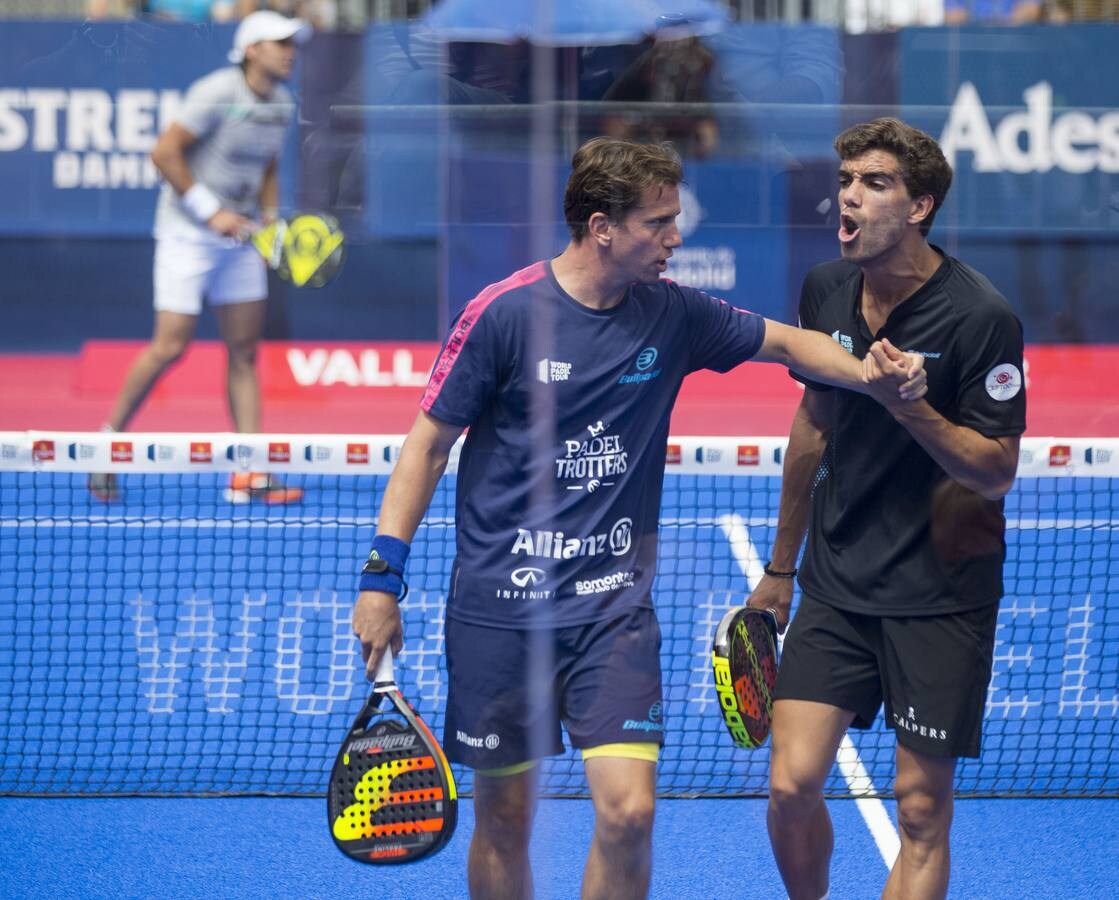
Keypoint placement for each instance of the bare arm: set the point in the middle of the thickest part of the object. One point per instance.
(423, 459)
(817, 356)
(270, 192)
(981, 464)
(170, 157)
(808, 436)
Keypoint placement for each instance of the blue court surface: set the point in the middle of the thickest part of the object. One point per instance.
(278, 847)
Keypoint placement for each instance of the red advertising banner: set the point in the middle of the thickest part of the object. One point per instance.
(374, 388)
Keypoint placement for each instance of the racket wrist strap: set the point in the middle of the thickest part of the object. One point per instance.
(384, 569)
(777, 573)
(200, 202)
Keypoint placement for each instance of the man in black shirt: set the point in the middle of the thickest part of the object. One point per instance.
(902, 573)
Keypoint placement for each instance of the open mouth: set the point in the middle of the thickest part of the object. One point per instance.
(848, 228)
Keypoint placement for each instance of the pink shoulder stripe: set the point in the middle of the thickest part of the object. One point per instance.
(465, 324)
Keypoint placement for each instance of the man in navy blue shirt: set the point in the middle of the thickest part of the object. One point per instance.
(902, 504)
(565, 374)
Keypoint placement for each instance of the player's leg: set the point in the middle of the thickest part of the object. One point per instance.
(240, 325)
(923, 788)
(181, 271)
(238, 286)
(805, 737)
(623, 790)
(504, 806)
(936, 670)
(500, 718)
(612, 706)
(170, 338)
(237, 293)
(827, 680)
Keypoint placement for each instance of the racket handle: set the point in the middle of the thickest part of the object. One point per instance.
(384, 679)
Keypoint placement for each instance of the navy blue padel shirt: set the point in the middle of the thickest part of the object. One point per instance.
(559, 481)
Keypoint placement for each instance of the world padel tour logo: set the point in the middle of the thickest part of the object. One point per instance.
(357, 453)
(644, 363)
(201, 452)
(120, 451)
(279, 452)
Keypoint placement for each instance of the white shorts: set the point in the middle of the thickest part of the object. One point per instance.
(185, 271)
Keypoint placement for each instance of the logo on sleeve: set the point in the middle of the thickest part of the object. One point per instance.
(844, 341)
(1004, 382)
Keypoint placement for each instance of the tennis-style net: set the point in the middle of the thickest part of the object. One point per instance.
(174, 643)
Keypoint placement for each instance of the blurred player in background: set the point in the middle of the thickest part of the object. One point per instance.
(565, 374)
(219, 163)
(902, 503)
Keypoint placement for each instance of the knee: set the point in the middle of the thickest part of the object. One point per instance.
(626, 822)
(922, 817)
(242, 353)
(168, 350)
(506, 821)
(791, 798)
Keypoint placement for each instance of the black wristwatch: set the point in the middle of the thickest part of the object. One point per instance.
(378, 566)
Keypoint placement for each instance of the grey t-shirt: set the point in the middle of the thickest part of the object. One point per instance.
(239, 133)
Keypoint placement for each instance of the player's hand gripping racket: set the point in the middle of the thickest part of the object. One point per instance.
(306, 249)
(744, 659)
(392, 796)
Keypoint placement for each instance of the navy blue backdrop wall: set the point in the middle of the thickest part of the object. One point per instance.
(436, 204)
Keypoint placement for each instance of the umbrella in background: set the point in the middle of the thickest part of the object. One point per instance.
(573, 23)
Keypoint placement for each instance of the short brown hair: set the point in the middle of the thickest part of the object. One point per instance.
(610, 175)
(923, 166)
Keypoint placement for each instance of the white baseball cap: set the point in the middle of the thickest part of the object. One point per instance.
(266, 25)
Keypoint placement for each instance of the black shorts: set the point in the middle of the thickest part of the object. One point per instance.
(509, 690)
(931, 672)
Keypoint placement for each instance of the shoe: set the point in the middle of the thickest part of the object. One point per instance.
(104, 486)
(245, 487)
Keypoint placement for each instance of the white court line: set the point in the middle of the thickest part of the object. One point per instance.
(850, 765)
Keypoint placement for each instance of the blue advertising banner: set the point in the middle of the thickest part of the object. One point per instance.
(1029, 118)
(81, 105)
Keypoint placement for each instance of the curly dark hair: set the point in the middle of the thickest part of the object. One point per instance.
(924, 169)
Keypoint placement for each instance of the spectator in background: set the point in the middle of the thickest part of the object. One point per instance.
(219, 158)
(669, 71)
(111, 9)
(322, 14)
(992, 12)
(1066, 11)
(190, 10)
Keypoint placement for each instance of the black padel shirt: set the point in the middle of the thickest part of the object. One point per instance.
(890, 532)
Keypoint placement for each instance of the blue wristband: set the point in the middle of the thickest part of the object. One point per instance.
(384, 570)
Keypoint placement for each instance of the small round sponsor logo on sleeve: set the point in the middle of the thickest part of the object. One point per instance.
(1004, 382)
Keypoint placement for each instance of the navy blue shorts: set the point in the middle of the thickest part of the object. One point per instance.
(509, 690)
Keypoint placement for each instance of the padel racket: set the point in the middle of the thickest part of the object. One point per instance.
(306, 249)
(744, 659)
(392, 796)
